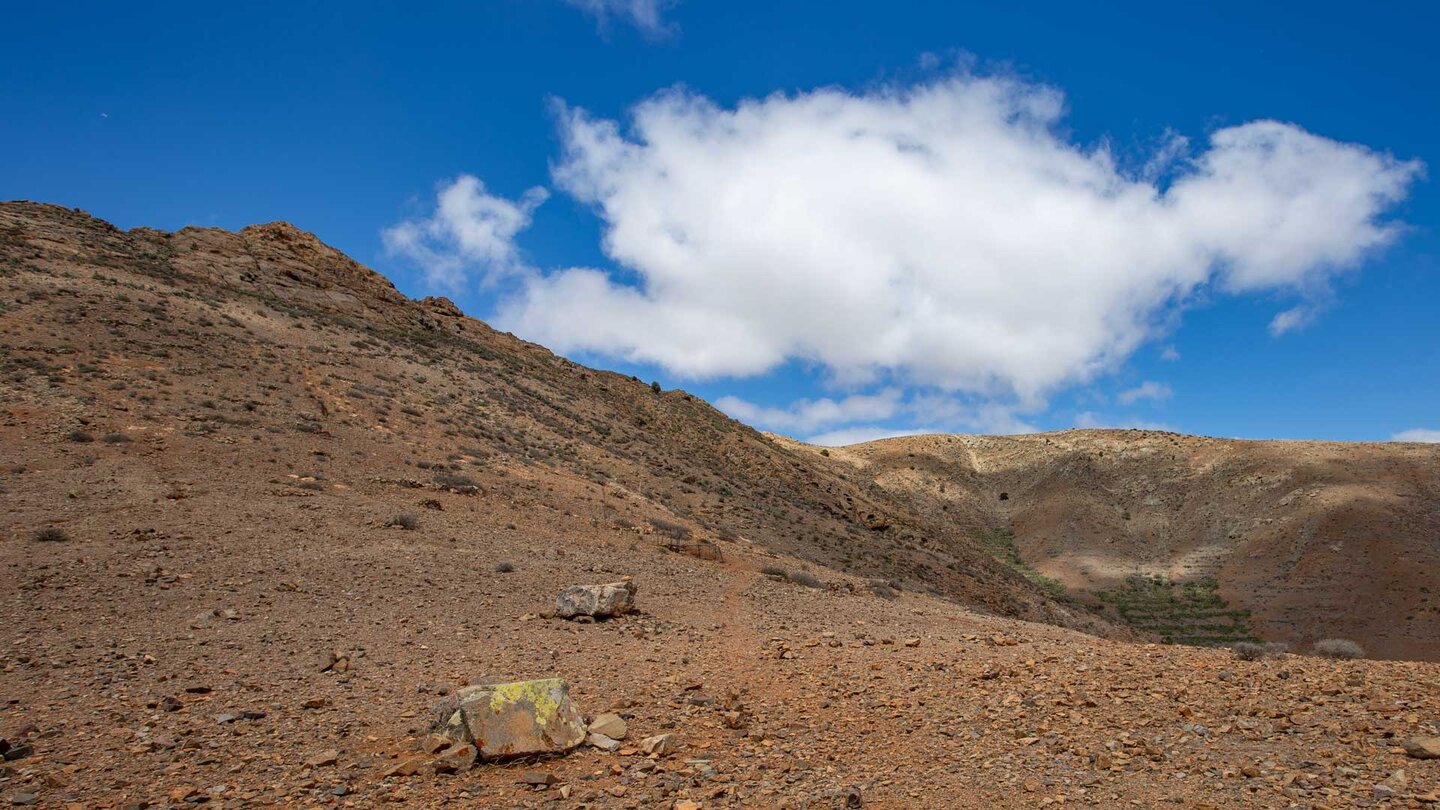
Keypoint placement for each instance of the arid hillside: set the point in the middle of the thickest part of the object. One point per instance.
(215, 351)
(1317, 539)
(261, 514)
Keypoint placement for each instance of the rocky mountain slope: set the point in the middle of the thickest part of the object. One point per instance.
(260, 512)
(1316, 539)
(206, 339)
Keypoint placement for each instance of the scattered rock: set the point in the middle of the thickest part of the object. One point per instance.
(410, 765)
(457, 758)
(596, 601)
(610, 725)
(1392, 786)
(329, 756)
(1423, 747)
(602, 742)
(660, 745)
(334, 661)
(539, 778)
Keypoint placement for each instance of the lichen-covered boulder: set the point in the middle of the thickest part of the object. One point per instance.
(597, 601)
(512, 719)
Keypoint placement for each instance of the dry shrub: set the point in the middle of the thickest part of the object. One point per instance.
(1341, 648)
(806, 578)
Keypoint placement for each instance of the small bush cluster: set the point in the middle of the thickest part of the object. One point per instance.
(51, 534)
(806, 579)
(451, 480)
(1340, 648)
(504, 567)
(774, 571)
(672, 530)
(884, 589)
(1250, 651)
(406, 521)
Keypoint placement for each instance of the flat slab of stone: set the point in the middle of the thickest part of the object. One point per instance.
(1423, 747)
(609, 724)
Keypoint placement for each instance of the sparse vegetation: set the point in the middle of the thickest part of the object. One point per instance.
(1339, 648)
(1001, 545)
(504, 567)
(671, 529)
(451, 480)
(407, 521)
(774, 571)
(1250, 651)
(806, 579)
(51, 534)
(884, 589)
(79, 436)
(1180, 613)
(114, 438)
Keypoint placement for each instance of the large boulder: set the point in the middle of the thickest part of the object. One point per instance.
(596, 601)
(512, 719)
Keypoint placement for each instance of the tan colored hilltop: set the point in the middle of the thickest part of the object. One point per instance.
(1318, 539)
(261, 512)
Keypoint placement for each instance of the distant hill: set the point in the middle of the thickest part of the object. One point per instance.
(1316, 539)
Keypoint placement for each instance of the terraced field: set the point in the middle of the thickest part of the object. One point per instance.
(1179, 612)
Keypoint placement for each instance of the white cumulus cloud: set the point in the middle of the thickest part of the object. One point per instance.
(947, 235)
(1417, 435)
(808, 414)
(1092, 420)
(646, 15)
(860, 413)
(469, 232)
(1148, 390)
(856, 435)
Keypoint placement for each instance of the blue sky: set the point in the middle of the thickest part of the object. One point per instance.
(882, 218)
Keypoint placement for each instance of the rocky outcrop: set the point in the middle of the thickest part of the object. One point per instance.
(596, 601)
